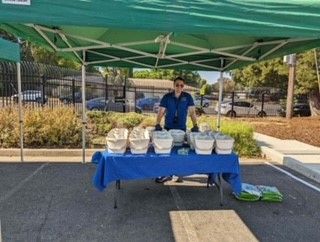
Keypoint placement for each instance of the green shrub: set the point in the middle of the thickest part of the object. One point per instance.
(242, 132)
(52, 128)
(132, 120)
(9, 127)
(60, 127)
(148, 121)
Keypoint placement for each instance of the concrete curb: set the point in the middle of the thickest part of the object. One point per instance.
(46, 155)
(47, 152)
(289, 162)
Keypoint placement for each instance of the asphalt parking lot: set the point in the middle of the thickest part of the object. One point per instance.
(57, 202)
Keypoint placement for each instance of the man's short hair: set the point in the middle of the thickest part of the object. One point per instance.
(179, 78)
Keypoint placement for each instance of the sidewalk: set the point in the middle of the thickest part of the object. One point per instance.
(296, 155)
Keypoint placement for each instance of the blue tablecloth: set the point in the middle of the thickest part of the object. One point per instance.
(112, 167)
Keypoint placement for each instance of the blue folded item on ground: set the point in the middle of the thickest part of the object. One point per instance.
(252, 193)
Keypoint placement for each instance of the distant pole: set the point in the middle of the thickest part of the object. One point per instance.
(291, 60)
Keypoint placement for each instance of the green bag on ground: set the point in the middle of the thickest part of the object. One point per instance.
(249, 193)
(270, 194)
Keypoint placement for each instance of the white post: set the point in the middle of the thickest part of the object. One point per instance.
(84, 118)
(220, 97)
(20, 109)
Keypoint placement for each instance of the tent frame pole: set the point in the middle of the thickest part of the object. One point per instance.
(84, 118)
(220, 96)
(194, 50)
(20, 110)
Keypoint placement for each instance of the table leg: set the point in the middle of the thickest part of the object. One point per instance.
(117, 187)
(217, 180)
(220, 189)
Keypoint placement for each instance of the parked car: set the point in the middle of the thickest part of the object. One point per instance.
(205, 102)
(96, 104)
(69, 98)
(147, 103)
(117, 106)
(30, 96)
(240, 108)
(100, 104)
(299, 110)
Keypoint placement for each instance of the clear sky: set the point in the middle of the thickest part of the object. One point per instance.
(211, 76)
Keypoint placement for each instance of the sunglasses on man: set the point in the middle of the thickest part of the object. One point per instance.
(179, 85)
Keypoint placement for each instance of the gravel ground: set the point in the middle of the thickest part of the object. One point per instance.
(304, 129)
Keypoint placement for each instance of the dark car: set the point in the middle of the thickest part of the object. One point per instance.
(299, 110)
(100, 104)
(147, 103)
(69, 98)
(96, 104)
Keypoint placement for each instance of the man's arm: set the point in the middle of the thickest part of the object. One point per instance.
(192, 113)
(160, 115)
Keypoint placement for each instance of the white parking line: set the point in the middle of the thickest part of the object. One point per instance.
(294, 177)
(186, 221)
(0, 232)
(17, 187)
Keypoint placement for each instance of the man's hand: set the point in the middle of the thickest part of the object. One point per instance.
(158, 127)
(195, 128)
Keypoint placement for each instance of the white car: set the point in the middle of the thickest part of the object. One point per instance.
(240, 108)
(30, 96)
(205, 102)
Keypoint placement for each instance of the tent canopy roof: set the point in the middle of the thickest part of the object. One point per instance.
(9, 51)
(199, 35)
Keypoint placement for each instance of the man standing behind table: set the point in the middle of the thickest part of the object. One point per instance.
(175, 106)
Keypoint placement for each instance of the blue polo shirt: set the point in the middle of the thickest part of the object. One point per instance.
(176, 107)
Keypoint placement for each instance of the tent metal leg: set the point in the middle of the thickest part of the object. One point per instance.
(20, 110)
(220, 101)
(84, 120)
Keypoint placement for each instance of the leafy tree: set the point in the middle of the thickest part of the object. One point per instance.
(274, 73)
(228, 85)
(306, 76)
(271, 73)
(206, 89)
(192, 77)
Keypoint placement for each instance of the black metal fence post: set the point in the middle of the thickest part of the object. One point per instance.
(106, 95)
(43, 90)
(73, 93)
(262, 102)
(232, 105)
(124, 95)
